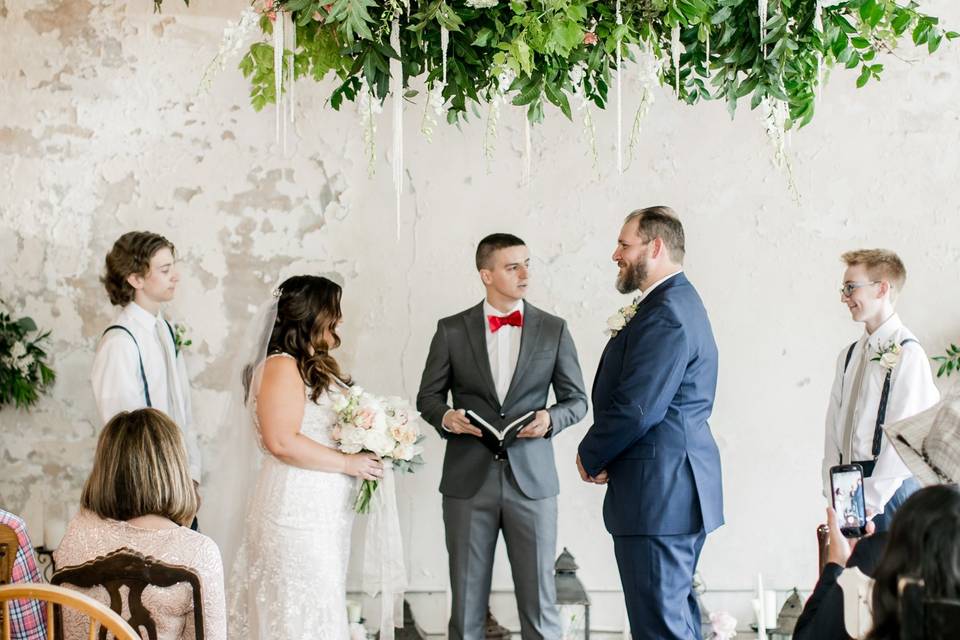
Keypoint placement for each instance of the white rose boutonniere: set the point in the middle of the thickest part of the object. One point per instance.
(888, 356)
(619, 320)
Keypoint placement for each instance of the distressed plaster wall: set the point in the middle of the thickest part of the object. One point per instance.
(101, 131)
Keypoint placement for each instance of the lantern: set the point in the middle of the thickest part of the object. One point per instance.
(572, 599)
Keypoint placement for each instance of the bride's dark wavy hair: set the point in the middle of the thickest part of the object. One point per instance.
(924, 543)
(307, 306)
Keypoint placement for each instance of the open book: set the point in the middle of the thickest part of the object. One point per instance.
(495, 439)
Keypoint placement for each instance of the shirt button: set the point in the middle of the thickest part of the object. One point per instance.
(503, 415)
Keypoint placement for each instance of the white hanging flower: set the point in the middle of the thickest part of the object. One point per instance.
(235, 35)
(18, 350)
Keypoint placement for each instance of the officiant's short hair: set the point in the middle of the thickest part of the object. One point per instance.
(492, 243)
(130, 254)
(881, 264)
(140, 468)
(661, 222)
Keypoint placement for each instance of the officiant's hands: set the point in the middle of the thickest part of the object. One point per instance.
(455, 421)
(363, 465)
(538, 427)
(600, 478)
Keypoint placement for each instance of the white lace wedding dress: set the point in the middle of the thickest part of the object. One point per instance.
(289, 577)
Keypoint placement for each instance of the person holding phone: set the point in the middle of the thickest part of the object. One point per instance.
(883, 377)
(927, 443)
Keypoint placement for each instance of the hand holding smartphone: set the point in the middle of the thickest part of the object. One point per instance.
(846, 486)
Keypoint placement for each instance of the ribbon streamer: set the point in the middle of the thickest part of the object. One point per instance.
(762, 15)
(675, 55)
(444, 44)
(396, 80)
(278, 68)
(291, 75)
(619, 95)
(383, 568)
(527, 145)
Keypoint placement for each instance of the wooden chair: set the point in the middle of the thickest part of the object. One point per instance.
(923, 618)
(9, 545)
(823, 538)
(125, 567)
(57, 597)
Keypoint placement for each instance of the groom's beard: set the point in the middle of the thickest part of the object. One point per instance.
(634, 275)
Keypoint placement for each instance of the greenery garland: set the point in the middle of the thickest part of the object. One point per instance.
(535, 52)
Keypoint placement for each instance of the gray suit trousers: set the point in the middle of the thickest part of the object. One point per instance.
(530, 532)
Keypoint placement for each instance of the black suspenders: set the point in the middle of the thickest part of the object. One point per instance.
(882, 409)
(143, 373)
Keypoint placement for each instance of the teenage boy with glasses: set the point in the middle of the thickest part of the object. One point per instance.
(881, 378)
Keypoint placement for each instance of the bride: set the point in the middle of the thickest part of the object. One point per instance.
(289, 576)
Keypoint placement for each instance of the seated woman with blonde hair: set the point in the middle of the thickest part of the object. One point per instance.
(139, 495)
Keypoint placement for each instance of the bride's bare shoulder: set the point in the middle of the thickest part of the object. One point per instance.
(281, 368)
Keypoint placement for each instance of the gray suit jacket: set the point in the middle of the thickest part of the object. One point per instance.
(458, 363)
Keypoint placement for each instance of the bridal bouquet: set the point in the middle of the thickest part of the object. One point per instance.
(387, 427)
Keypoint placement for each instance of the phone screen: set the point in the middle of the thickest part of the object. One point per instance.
(847, 485)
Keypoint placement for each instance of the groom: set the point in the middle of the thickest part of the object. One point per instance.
(650, 442)
(499, 359)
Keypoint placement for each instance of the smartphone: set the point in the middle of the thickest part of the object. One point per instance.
(846, 486)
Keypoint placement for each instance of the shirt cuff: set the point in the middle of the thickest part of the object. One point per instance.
(443, 419)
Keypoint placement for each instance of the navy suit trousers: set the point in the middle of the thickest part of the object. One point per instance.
(657, 577)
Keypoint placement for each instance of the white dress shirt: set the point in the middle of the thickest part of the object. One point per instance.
(645, 294)
(118, 385)
(503, 348)
(911, 391)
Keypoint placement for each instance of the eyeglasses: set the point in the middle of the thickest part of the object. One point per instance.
(849, 287)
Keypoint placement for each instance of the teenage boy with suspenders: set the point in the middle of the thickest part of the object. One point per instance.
(881, 378)
(138, 363)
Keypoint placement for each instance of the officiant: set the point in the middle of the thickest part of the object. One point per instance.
(498, 360)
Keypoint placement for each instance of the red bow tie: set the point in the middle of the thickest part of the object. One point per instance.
(514, 320)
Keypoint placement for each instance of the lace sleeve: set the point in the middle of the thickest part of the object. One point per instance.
(210, 569)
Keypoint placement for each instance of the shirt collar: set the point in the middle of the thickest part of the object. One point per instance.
(141, 316)
(884, 333)
(490, 310)
(644, 294)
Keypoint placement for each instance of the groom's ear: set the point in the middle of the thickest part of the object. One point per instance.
(486, 277)
(135, 280)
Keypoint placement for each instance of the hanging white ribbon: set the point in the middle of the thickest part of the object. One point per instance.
(818, 25)
(527, 146)
(444, 43)
(619, 95)
(396, 81)
(762, 14)
(706, 55)
(291, 72)
(278, 68)
(675, 56)
(384, 572)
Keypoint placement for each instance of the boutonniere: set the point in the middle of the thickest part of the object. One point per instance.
(180, 338)
(887, 355)
(619, 320)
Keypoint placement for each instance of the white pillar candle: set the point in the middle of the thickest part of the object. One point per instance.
(353, 611)
(770, 608)
(761, 614)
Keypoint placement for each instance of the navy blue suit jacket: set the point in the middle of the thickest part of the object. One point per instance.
(652, 396)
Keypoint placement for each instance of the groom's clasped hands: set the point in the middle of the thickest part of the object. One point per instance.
(600, 478)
